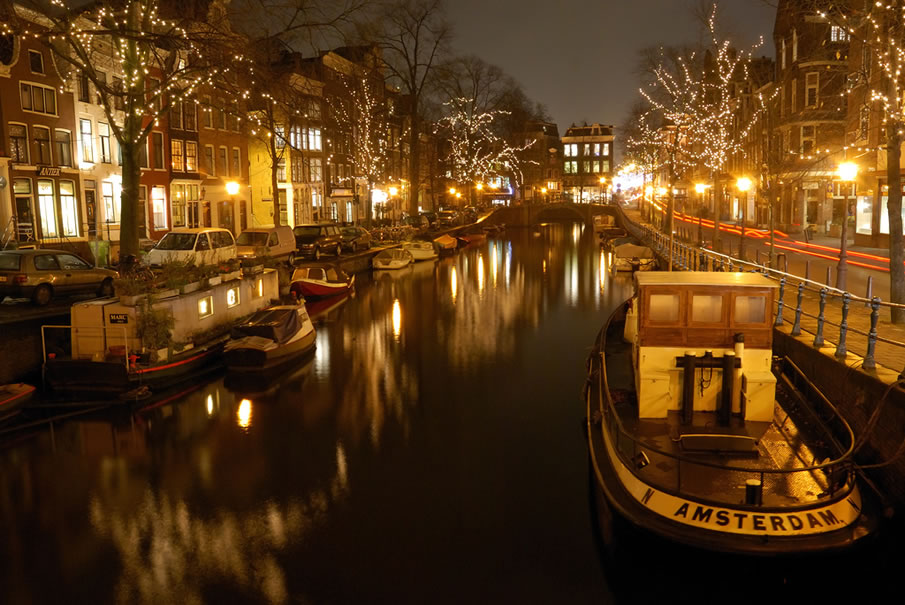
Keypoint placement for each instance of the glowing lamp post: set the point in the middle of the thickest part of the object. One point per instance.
(603, 187)
(847, 172)
(744, 185)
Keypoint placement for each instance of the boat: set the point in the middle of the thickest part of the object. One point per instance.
(607, 234)
(446, 244)
(491, 228)
(13, 396)
(471, 236)
(601, 221)
(319, 280)
(421, 250)
(392, 258)
(270, 339)
(633, 257)
(114, 349)
(688, 441)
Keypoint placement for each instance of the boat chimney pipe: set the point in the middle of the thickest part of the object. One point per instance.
(754, 492)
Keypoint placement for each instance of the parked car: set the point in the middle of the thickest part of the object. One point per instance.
(316, 240)
(355, 238)
(418, 222)
(42, 274)
(430, 216)
(200, 246)
(448, 218)
(276, 242)
(470, 214)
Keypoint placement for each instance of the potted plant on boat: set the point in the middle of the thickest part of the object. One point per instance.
(132, 289)
(229, 269)
(210, 275)
(155, 328)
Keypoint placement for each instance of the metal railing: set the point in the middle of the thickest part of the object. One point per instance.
(695, 258)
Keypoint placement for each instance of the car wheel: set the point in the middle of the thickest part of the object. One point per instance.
(42, 295)
(317, 254)
(106, 289)
(291, 259)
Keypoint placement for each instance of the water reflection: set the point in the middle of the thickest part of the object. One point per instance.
(244, 414)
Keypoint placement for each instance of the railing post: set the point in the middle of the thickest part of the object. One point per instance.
(829, 279)
(807, 270)
(869, 362)
(843, 326)
(782, 292)
(818, 339)
(796, 327)
(870, 290)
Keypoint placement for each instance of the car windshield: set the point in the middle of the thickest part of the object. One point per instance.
(307, 231)
(9, 262)
(350, 231)
(252, 238)
(177, 241)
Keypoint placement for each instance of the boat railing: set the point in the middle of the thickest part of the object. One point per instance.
(825, 307)
(675, 471)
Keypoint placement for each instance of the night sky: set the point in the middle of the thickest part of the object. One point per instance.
(578, 57)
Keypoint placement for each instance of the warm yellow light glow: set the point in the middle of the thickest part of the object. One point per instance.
(847, 171)
(205, 306)
(210, 405)
(543, 190)
(479, 186)
(648, 190)
(602, 180)
(701, 187)
(480, 273)
(232, 187)
(260, 287)
(661, 190)
(232, 297)
(397, 319)
(393, 191)
(452, 190)
(458, 195)
(243, 416)
(743, 184)
(452, 283)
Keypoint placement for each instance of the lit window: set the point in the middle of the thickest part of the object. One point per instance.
(159, 207)
(664, 307)
(232, 297)
(259, 288)
(205, 307)
(750, 309)
(707, 308)
(838, 34)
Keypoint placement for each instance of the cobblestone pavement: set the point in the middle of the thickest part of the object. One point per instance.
(888, 355)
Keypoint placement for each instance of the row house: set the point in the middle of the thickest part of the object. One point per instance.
(811, 70)
(543, 162)
(587, 162)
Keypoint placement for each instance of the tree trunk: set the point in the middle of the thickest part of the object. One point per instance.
(128, 216)
(274, 183)
(717, 206)
(414, 162)
(894, 208)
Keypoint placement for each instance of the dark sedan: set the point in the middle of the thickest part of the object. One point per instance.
(317, 240)
(42, 274)
(355, 238)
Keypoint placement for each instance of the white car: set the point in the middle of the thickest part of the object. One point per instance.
(200, 246)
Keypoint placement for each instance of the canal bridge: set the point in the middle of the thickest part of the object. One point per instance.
(532, 214)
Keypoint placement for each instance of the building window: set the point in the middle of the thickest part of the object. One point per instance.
(808, 139)
(595, 167)
(84, 89)
(606, 149)
(209, 160)
(298, 173)
(571, 167)
(258, 290)
(237, 163)
(838, 34)
(223, 163)
(315, 170)
(570, 150)
(176, 114)
(38, 99)
(782, 53)
(177, 155)
(111, 208)
(281, 170)
(794, 45)
(36, 61)
(234, 117)
(279, 134)
(63, 147)
(86, 137)
(47, 208)
(221, 114)
(810, 91)
(190, 111)
(69, 211)
(142, 155)
(119, 93)
(159, 207)
(157, 151)
(605, 166)
(102, 79)
(205, 307)
(314, 139)
(42, 145)
(191, 156)
(18, 143)
(103, 132)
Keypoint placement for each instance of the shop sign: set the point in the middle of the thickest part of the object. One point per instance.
(119, 318)
(48, 171)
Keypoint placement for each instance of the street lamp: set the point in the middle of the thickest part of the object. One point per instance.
(744, 185)
(603, 187)
(847, 172)
(701, 189)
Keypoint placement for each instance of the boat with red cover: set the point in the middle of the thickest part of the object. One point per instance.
(319, 280)
(13, 396)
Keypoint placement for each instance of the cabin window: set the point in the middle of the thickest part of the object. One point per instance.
(707, 308)
(664, 307)
(205, 307)
(750, 309)
(259, 288)
(232, 297)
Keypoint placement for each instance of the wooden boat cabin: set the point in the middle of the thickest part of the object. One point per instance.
(702, 343)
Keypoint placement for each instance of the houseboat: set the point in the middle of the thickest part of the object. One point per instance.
(116, 349)
(688, 440)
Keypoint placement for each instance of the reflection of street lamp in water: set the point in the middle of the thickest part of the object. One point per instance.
(846, 172)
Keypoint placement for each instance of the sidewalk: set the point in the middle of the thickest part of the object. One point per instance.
(889, 356)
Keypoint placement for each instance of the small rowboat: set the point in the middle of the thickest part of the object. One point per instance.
(446, 244)
(270, 339)
(320, 280)
(421, 250)
(13, 397)
(393, 258)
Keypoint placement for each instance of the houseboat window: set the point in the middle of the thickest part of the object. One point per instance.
(664, 307)
(707, 308)
(232, 297)
(750, 309)
(259, 288)
(205, 307)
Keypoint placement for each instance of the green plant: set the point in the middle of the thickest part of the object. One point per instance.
(175, 274)
(228, 266)
(209, 270)
(155, 326)
(133, 285)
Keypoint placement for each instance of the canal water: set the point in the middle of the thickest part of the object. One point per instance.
(430, 451)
